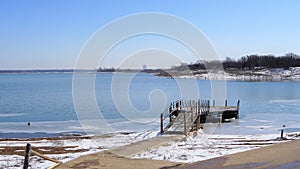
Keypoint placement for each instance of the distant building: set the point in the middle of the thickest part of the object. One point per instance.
(144, 67)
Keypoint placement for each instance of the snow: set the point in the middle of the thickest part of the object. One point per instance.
(194, 148)
(293, 73)
(92, 145)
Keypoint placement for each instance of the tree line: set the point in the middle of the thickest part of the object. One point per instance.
(249, 62)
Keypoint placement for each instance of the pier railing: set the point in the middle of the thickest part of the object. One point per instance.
(185, 115)
(189, 108)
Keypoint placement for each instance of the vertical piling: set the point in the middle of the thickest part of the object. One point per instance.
(208, 107)
(184, 118)
(161, 123)
(192, 116)
(170, 112)
(27, 155)
(238, 108)
(281, 134)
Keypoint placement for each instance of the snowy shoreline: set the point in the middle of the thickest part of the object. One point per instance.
(187, 151)
(64, 148)
(194, 150)
(279, 74)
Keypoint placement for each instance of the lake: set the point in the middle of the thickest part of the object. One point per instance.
(46, 101)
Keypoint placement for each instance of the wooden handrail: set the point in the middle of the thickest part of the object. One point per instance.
(29, 151)
(44, 157)
(195, 107)
(165, 117)
(162, 119)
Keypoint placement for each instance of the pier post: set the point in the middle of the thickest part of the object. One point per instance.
(192, 116)
(198, 122)
(199, 110)
(214, 103)
(201, 106)
(184, 119)
(226, 102)
(197, 107)
(238, 108)
(170, 111)
(208, 107)
(180, 104)
(161, 123)
(281, 134)
(27, 155)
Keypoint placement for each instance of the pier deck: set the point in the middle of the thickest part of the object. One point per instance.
(188, 115)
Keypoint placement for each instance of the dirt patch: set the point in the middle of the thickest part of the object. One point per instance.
(20, 150)
(48, 138)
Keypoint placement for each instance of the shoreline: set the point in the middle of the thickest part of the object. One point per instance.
(69, 149)
(269, 75)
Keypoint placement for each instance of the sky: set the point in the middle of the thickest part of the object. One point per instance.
(49, 34)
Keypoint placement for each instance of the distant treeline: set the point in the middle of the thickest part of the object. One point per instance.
(106, 70)
(249, 62)
(109, 70)
(39, 71)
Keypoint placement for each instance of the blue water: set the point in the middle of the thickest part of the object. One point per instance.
(36, 97)
(44, 98)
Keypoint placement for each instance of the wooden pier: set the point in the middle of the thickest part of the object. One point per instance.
(184, 116)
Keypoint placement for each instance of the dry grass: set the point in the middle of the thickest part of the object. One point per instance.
(19, 150)
(49, 138)
(56, 148)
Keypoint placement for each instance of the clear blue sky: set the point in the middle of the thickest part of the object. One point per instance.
(49, 34)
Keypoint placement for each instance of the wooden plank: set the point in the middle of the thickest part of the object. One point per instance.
(191, 112)
(44, 157)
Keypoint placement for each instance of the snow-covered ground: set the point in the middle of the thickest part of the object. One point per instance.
(278, 74)
(73, 148)
(190, 150)
(193, 149)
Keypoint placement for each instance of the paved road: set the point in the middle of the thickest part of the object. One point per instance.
(279, 156)
(119, 157)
